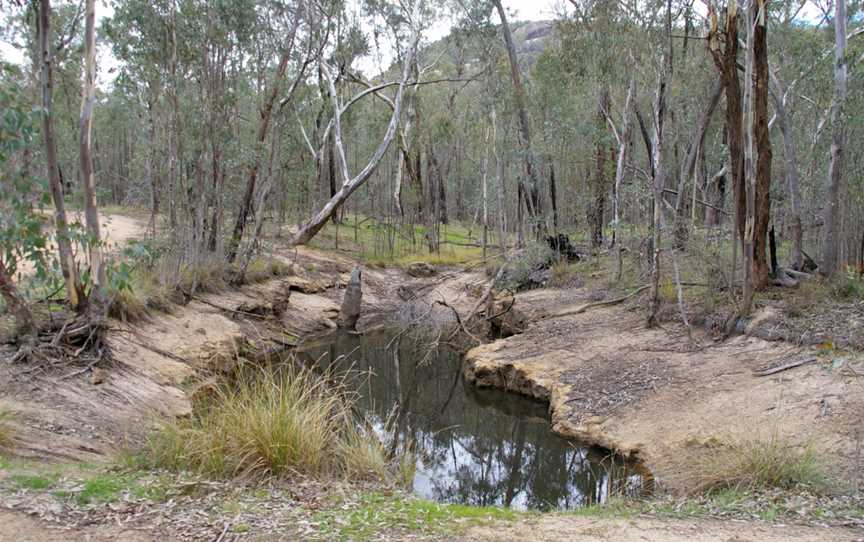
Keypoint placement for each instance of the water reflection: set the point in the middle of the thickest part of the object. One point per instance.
(475, 446)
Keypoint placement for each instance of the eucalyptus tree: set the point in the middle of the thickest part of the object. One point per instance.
(98, 294)
(834, 181)
(351, 183)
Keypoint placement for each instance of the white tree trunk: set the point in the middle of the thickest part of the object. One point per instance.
(308, 230)
(834, 181)
(91, 212)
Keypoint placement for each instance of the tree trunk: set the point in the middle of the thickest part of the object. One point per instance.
(688, 168)
(619, 173)
(98, 294)
(762, 189)
(150, 178)
(727, 64)
(830, 240)
(68, 266)
(658, 184)
(796, 256)
(532, 191)
(263, 127)
(349, 185)
(659, 173)
(553, 195)
(597, 205)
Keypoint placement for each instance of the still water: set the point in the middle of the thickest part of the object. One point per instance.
(474, 446)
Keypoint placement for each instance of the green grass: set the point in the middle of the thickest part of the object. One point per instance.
(269, 422)
(377, 513)
(380, 244)
(33, 481)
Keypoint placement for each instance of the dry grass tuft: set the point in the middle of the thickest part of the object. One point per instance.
(758, 463)
(7, 432)
(271, 422)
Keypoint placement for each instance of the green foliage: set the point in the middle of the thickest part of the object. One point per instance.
(33, 481)
(270, 422)
(21, 228)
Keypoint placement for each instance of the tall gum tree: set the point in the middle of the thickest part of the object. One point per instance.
(830, 239)
(68, 265)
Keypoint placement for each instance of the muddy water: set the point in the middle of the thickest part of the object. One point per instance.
(474, 446)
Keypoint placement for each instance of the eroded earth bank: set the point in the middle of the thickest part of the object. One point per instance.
(609, 381)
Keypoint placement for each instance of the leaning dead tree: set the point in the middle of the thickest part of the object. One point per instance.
(351, 184)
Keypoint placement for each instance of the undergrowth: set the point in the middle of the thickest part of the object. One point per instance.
(761, 463)
(7, 431)
(271, 422)
(150, 287)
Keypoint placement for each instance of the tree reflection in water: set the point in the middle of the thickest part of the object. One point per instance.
(475, 446)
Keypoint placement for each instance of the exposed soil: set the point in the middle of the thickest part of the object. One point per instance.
(613, 382)
(585, 529)
(608, 379)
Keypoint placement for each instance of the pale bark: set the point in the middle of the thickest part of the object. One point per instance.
(623, 143)
(98, 295)
(830, 239)
(659, 181)
(68, 266)
(308, 230)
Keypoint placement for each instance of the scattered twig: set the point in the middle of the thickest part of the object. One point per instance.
(582, 308)
(226, 309)
(766, 371)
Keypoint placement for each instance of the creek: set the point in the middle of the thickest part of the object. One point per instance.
(473, 446)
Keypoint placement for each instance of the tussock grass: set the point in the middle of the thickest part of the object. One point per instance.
(271, 422)
(762, 463)
(7, 432)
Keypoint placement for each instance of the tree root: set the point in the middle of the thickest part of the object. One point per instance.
(77, 341)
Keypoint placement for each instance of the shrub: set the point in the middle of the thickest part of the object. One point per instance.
(521, 265)
(270, 422)
(762, 464)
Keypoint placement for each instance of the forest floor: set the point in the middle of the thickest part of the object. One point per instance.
(609, 381)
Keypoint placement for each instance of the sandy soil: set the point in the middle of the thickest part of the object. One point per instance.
(613, 382)
(117, 230)
(608, 379)
(583, 529)
(18, 527)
